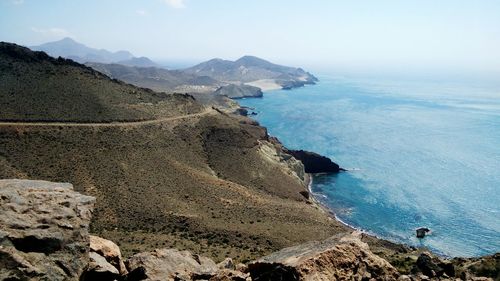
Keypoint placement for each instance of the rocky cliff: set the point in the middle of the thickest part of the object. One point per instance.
(315, 163)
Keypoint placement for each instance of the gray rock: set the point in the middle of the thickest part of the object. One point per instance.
(100, 269)
(422, 231)
(169, 264)
(110, 251)
(337, 258)
(43, 230)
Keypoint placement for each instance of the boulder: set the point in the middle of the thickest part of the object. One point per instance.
(100, 269)
(433, 266)
(169, 264)
(422, 231)
(110, 251)
(337, 258)
(315, 163)
(43, 230)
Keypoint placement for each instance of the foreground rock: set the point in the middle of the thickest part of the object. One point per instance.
(337, 258)
(43, 230)
(106, 261)
(169, 264)
(315, 163)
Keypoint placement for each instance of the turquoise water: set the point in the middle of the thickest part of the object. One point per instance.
(420, 153)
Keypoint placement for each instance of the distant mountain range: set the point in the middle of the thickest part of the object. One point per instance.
(159, 79)
(254, 71)
(69, 48)
(205, 77)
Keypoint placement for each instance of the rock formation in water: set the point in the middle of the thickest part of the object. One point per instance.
(315, 163)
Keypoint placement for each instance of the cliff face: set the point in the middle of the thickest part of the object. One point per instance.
(315, 163)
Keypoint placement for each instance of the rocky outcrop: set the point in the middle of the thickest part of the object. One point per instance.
(109, 250)
(43, 230)
(100, 269)
(239, 91)
(433, 266)
(169, 264)
(315, 163)
(337, 258)
(106, 261)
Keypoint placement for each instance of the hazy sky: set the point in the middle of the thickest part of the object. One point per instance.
(462, 34)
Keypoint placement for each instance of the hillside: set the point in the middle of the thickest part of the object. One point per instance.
(159, 79)
(193, 179)
(38, 87)
(254, 71)
(70, 49)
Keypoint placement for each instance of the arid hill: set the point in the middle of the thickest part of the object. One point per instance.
(188, 177)
(253, 71)
(36, 87)
(159, 79)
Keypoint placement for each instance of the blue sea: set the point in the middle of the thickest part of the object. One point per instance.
(420, 153)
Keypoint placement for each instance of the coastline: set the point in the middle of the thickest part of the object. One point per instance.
(316, 202)
(372, 239)
(330, 212)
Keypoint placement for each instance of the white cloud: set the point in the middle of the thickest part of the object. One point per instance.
(142, 12)
(17, 2)
(178, 4)
(53, 32)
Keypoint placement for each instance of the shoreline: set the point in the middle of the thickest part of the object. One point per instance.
(330, 212)
(374, 239)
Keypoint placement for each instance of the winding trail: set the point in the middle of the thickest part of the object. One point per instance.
(103, 124)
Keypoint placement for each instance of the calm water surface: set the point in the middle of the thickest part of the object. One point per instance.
(421, 153)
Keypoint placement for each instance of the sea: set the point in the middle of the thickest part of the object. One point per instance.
(420, 152)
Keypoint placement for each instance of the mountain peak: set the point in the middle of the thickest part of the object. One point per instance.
(69, 48)
(68, 40)
(252, 60)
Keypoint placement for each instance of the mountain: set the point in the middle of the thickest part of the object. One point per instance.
(159, 79)
(165, 170)
(239, 91)
(139, 62)
(69, 48)
(37, 87)
(254, 71)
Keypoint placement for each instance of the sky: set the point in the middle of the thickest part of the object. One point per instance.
(371, 34)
